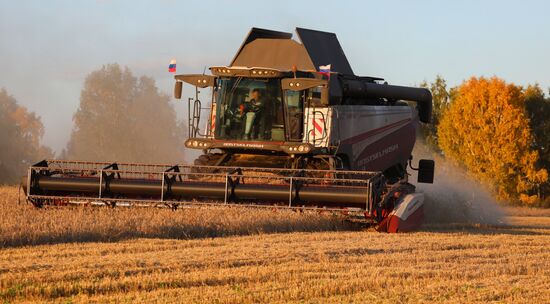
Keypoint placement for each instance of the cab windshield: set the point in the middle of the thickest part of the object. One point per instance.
(249, 109)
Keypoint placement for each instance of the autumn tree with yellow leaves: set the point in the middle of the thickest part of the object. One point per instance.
(486, 129)
(124, 118)
(21, 132)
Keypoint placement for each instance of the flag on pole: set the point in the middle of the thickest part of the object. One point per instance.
(324, 70)
(172, 66)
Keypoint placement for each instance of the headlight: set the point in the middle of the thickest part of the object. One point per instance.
(303, 148)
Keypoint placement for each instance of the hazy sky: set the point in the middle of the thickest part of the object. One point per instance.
(48, 47)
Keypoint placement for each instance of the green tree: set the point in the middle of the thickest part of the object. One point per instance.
(486, 128)
(441, 98)
(20, 135)
(538, 111)
(122, 118)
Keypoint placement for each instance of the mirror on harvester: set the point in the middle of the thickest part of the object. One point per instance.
(177, 89)
(426, 169)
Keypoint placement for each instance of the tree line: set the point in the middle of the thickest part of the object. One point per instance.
(120, 117)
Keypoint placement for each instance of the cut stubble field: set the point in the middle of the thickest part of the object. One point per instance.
(233, 255)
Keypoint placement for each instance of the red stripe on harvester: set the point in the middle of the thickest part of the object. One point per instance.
(363, 136)
(317, 126)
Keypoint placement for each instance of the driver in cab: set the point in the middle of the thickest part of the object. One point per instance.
(252, 111)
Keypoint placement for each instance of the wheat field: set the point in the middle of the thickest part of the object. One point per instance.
(79, 255)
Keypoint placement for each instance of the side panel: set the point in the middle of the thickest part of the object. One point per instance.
(375, 138)
(317, 126)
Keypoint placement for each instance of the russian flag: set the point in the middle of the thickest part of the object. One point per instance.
(172, 66)
(324, 70)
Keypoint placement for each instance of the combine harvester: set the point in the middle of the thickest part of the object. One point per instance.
(289, 126)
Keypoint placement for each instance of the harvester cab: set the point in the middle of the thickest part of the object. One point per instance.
(289, 125)
(258, 111)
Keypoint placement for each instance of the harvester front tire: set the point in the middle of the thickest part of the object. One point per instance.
(210, 159)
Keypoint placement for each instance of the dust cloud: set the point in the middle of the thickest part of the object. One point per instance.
(454, 197)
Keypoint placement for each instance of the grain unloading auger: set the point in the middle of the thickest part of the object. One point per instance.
(289, 126)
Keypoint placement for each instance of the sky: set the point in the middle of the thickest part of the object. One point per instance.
(47, 48)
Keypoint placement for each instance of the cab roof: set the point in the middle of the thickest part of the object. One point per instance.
(277, 50)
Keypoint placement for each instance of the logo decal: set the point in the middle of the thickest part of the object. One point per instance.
(377, 155)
